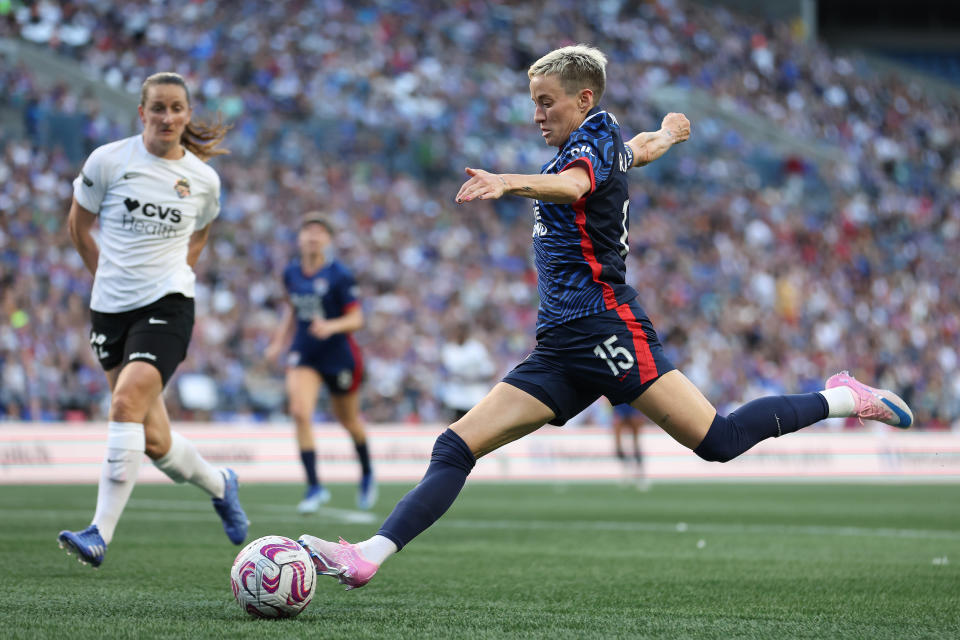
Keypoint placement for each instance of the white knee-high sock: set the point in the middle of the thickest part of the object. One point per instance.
(377, 549)
(183, 463)
(118, 474)
(840, 402)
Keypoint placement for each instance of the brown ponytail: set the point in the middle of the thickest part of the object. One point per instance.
(200, 138)
(203, 139)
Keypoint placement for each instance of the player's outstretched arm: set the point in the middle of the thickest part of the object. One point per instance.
(563, 188)
(650, 145)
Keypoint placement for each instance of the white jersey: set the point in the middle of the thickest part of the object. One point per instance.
(148, 208)
(469, 368)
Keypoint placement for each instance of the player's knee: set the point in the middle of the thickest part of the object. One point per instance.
(720, 443)
(715, 455)
(301, 415)
(127, 406)
(450, 449)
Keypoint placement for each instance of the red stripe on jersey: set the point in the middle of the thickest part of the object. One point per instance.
(589, 168)
(350, 305)
(645, 362)
(357, 363)
(586, 247)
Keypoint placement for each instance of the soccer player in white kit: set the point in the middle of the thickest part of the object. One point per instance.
(155, 198)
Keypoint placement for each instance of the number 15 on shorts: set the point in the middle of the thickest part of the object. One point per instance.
(616, 357)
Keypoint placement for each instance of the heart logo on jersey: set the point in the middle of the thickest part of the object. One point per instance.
(131, 204)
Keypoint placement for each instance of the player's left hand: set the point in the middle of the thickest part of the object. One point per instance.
(321, 329)
(482, 185)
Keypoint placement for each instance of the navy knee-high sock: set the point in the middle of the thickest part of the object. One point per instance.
(450, 464)
(363, 455)
(309, 460)
(758, 420)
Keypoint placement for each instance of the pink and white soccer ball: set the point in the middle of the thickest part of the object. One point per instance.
(273, 577)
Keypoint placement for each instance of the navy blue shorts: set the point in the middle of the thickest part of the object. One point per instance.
(615, 354)
(338, 363)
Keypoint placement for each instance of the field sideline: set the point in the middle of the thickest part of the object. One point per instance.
(521, 560)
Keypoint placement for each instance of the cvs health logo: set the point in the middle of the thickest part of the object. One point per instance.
(154, 210)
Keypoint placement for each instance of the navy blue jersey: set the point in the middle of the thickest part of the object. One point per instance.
(328, 293)
(580, 247)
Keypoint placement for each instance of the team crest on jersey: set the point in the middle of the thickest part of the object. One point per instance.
(321, 286)
(182, 187)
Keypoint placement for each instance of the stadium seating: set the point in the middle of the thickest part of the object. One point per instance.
(762, 269)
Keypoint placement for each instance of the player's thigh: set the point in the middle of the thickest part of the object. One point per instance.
(112, 375)
(504, 415)
(678, 407)
(137, 386)
(303, 385)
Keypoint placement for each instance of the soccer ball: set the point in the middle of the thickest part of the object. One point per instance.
(273, 577)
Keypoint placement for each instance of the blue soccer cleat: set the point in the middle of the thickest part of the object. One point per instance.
(315, 496)
(367, 492)
(235, 521)
(88, 544)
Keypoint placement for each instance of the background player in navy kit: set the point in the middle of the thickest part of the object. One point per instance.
(593, 338)
(321, 313)
(628, 421)
(154, 199)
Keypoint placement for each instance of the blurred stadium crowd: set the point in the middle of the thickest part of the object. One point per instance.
(762, 271)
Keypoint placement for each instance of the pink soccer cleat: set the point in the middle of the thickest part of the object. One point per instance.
(342, 561)
(874, 404)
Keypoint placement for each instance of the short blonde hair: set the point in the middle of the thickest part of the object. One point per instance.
(578, 66)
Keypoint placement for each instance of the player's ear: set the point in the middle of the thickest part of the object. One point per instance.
(585, 99)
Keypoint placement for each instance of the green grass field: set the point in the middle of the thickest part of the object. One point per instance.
(531, 561)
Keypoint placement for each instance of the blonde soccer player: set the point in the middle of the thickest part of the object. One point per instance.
(593, 337)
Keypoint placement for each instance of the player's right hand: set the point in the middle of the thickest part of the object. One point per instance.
(482, 185)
